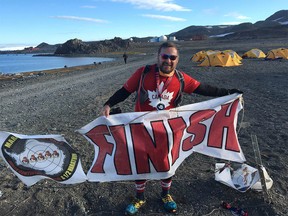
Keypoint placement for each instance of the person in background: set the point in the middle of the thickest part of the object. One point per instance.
(165, 85)
(125, 56)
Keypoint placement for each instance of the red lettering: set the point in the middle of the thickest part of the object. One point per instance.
(196, 128)
(222, 129)
(177, 126)
(121, 159)
(146, 150)
(97, 135)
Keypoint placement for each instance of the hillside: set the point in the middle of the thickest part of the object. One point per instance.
(275, 26)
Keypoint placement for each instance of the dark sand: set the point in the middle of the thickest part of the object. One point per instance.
(60, 103)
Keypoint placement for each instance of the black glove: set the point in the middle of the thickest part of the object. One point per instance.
(115, 110)
(232, 91)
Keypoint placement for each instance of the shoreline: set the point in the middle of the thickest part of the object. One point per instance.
(5, 77)
(116, 56)
(65, 69)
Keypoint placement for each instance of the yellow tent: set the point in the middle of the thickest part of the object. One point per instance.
(254, 53)
(199, 56)
(277, 53)
(234, 55)
(220, 60)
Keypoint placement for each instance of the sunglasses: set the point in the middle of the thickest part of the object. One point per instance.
(171, 57)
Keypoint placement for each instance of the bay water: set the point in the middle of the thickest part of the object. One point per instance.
(18, 63)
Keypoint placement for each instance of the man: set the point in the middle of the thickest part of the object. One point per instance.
(160, 87)
(125, 56)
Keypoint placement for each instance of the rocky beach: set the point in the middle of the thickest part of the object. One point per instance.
(64, 100)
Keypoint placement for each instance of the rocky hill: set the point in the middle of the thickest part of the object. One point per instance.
(47, 47)
(275, 26)
(76, 46)
(280, 17)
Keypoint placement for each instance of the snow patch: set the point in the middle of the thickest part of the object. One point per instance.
(221, 35)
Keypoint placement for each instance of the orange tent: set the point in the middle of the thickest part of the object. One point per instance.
(281, 53)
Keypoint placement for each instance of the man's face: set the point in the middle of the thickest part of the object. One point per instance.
(168, 60)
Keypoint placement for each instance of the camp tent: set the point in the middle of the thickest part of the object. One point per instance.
(281, 53)
(254, 53)
(234, 55)
(200, 56)
(220, 59)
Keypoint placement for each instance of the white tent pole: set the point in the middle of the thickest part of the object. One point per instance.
(260, 168)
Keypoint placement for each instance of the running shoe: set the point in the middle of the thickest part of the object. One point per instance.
(133, 207)
(169, 204)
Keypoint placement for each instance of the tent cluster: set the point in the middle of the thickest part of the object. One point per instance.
(216, 58)
(228, 58)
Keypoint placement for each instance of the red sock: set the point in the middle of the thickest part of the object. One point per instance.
(166, 185)
(140, 188)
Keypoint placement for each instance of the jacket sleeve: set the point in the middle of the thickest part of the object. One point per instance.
(207, 90)
(117, 97)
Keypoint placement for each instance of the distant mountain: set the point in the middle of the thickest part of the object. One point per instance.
(280, 17)
(46, 48)
(275, 26)
(41, 48)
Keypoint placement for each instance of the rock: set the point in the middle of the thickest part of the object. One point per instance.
(77, 47)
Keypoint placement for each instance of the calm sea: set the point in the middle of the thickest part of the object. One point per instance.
(17, 63)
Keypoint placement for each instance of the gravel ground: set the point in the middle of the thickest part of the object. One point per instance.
(61, 103)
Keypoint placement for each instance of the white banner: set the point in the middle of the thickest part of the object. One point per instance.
(151, 145)
(240, 179)
(37, 157)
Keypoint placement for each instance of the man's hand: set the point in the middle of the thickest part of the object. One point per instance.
(106, 111)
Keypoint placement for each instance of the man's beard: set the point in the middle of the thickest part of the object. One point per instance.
(163, 68)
